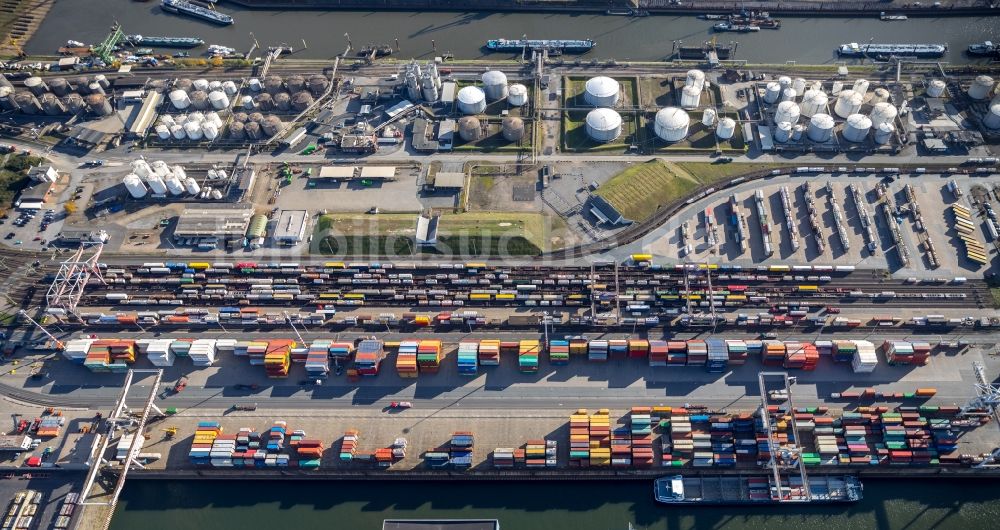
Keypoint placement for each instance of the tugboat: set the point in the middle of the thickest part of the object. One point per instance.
(985, 49)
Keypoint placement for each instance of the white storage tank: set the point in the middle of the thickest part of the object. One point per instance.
(601, 91)
(471, 100)
(797, 132)
(134, 186)
(216, 195)
(178, 171)
(783, 132)
(210, 130)
(177, 131)
(163, 131)
(254, 84)
(935, 88)
(214, 85)
(981, 87)
(772, 92)
(141, 167)
(690, 97)
(883, 113)
(102, 80)
(603, 125)
(799, 85)
(820, 128)
(861, 87)
(179, 99)
(36, 85)
(671, 124)
(878, 96)
(200, 84)
(229, 88)
(787, 111)
(838, 86)
(214, 118)
(247, 103)
(883, 133)
(857, 127)
(191, 186)
(193, 130)
(219, 100)
(848, 102)
(695, 78)
(726, 128)
(785, 82)
(517, 94)
(708, 117)
(813, 102)
(494, 85)
(992, 118)
(160, 168)
(788, 94)
(174, 185)
(167, 120)
(156, 184)
(196, 117)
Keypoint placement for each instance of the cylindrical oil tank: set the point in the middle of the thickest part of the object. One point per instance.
(156, 184)
(240, 117)
(255, 116)
(690, 97)
(695, 78)
(837, 87)
(229, 88)
(216, 195)
(883, 113)
(210, 130)
(95, 88)
(469, 128)
(512, 129)
(214, 118)
(28, 103)
(848, 102)
(99, 105)
(51, 105)
(726, 128)
(797, 132)
(200, 84)
(517, 94)
(167, 120)
(177, 131)
(772, 93)
(60, 86)
(163, 131)
(301, 100)
(247, 103)
(820, 128)
(191, 186)
(787, 111)
(857, 127)
(74, 103)
(295, 83)
(178, 171)
(880, 95)
(785, 82)
(429, 88)
(799, 85)
(671, 124)
(979, 89)
(184, 84)
(179, 99)
(318, 84)
(103, 81)
(7, 98)
(601, 91)
(134, 186)
(4, 82)
(471, 100)
(708, 117)
(219, 100)
(992, 118)
(142, 168)
(237, 130)
(271, 125)
(36, 85)
(788, 94)
(782, 132)
(883, 133)
(273, 84)
(861, 87)
(252, 130)
(192, 130)
(160, 168)
(935, 88)
(264, 101)
(174, 185)
(813, 101)
(196, 117)
(199, 100)
(604, 124)
(255, 85)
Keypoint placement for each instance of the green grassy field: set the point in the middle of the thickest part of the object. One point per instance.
(638, 191)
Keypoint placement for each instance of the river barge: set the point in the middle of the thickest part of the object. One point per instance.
(755, 490)
(984, 49)
(564, 45)
(854, 49)
(164, 42)
(184, 7)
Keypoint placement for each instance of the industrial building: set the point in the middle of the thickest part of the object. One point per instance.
(336, 173)
(33, 198)
(291, 227)
(449, 180)
(378, 173)
(42, 173)
(605, 212)
(427, 230)
(217, 220)
(82, 235)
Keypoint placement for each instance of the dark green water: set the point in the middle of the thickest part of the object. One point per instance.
(902, 505)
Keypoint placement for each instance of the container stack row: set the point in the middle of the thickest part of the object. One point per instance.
(369, 356)
(349, 445)
(638, 348)
(906, 353)
(718, 355)
(317, 361)
(527, 356)
(461, 448)
(579, 439)
(201, 447)
(429, 354)
(277, 358)
(600, 438)
(489, 352)
(658, 353)
(597, 351)
(406, 358)
(558, 352)
(641, 431)
(468, 352)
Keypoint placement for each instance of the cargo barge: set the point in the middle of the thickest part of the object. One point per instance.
(854, 49)
(164, 42)
(563, 45)
(984, 49)
(755, 490)
(184, 7)
(738, 28)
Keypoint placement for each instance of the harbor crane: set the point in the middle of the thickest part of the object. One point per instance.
(987, 399)
(106, 48)
(790, 456)
(71, 280)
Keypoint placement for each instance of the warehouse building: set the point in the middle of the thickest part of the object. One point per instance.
(337, 173)
(449, 180)
(225, 221)
(291, 227)
(378, 172)
(427, 230)
(605, 212)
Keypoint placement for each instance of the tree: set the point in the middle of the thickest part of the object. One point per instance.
(217, 61)
(70, 207)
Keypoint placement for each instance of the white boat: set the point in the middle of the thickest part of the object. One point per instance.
(889, 18)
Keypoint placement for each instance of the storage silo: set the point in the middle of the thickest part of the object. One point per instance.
(512, 129)
(690, 97)
(772, 92)
(861, 87)
(255, 85)
(160, 168)
(214, 85)
(601, 91)
(192, 130)
(177, 131)
(318, 84)
(695, 78)
(7, 101)
(671, 124)
(264, 101)
(726, 128)
(788, 94)
(429, 88)
(219, 100)
(813, 101)
(797, 132)
(246, 103)
(301, 100)
(229, 88)
(799, 85)
(992, 118)
(604, 124)
(785, 82)
(156, 184)
(74, 103)
(141, 167)
(167, 120)
(883, 133)
(191, 186)
(469, 128)
(708, 117)
(880, 95)
(99, 105)
(252, 130)
(255, 116)
(134, 186)
(837, 87)
(883, 113)
(28, 103)
(36, 85)
(196, 117)
(295, 83)
(237, 130)
(273, 84)
(935, 88)
(857, 127)
(848, 102)
(495, 85)
(179, 99)
(102, 80)
(200, 84)
(199, 100)
(51, 105)
(214, 118)
(174, 185)
(471, 100)
(210, 130)
(216, 195)
(271, 125)
(820, 128)
(240, 117)
(95, 88)
(184, 84)
(163, 131)
(60, 86)
(517, 95)
(979, 89)
(787, 111)
(783, 132)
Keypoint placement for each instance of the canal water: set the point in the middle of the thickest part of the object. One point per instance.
(805, 40)
(887, 505)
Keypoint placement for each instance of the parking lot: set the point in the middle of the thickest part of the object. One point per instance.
(30, 228)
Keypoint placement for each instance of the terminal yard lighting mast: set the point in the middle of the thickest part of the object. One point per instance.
(70, 282)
